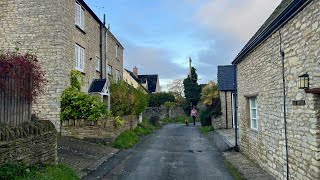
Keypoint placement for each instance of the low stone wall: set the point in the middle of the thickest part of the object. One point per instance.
(162, 112)
(30, 143)
(102, 129)
(218, 123)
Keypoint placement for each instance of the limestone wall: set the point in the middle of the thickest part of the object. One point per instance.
(102, 129)
(259, 75)
(47, 29)
(226, 109)
(115, 62)
(30, 143)
(162, 112)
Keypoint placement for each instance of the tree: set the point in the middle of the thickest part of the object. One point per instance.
(191, 88)
(209, 93)
(176, 88)
(158, 99)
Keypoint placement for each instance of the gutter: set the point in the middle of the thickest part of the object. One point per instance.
(287, 14)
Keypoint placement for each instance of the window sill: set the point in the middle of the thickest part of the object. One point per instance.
(254, 130)
(80, 70)
(97, 70)
(79, 28)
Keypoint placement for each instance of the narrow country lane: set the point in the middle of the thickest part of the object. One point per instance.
(174, 152)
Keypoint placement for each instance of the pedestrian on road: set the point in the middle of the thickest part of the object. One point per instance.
(194, 114)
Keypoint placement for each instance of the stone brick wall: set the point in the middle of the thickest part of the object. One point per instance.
(226, 109)
(115, 62)
(47, 29)
(162, 112)
(102, 129)
(260, 75)
(29, 143)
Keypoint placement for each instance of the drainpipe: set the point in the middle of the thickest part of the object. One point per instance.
(284, 104)
(236, 147)
(101, 29)
(225, 98)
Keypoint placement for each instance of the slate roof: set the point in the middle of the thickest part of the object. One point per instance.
(133, 76)
(97, 85)
(226, 78)
(152, 81)
(282, 14)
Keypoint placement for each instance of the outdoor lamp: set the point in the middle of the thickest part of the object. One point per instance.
(304, 81)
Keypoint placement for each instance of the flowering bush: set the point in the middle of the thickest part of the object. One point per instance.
(22, 74)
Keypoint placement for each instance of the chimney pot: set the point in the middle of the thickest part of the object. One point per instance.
(135, 71)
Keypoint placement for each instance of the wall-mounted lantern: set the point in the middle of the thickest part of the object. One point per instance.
(304, 81)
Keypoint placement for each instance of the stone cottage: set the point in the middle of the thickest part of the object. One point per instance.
(150, 82)
(278, 112)
(114, 57)
(226, 92)
(65, 36)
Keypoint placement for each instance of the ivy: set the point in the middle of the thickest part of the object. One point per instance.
(77, 105)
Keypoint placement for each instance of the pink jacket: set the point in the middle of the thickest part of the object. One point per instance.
(194, 112)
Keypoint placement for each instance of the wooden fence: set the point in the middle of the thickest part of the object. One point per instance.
(15, 109)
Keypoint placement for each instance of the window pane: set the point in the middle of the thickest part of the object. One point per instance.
(254, 124)
(253, 103)
(253, 113)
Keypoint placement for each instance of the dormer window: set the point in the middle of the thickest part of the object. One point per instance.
(79, 16)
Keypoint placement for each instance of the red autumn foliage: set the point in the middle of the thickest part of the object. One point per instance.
(21, 75)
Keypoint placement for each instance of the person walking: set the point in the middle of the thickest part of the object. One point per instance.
(194, 114)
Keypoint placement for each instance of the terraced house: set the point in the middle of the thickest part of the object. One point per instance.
(278, 92)
(65, 36)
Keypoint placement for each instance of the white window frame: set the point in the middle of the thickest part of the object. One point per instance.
(117, 51)
(109, 69)
(117, 75)
(79, 16)
(252, 119)
(79, 58)
(97, 64)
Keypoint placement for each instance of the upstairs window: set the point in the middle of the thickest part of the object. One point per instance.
(79, 16)
(117, 51)
(253, 114)
(79, 55)
(98, 64)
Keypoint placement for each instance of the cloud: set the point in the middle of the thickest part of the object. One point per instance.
(239, 19)
(152, 60)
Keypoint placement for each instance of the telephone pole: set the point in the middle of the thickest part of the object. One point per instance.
(190, 68)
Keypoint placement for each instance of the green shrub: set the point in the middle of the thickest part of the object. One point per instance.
(77, 105)
(127, 100)
(158, 99)
(140, 131)
(37, 172)
(154, 120)
(205, 116)
(206, 129)
(125, 140)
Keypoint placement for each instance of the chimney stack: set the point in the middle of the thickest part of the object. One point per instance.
(135, 71)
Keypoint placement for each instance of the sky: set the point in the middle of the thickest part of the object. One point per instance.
(159, 36)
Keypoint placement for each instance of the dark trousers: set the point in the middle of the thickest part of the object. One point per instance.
(194, 120)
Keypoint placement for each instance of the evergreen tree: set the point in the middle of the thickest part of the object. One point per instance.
(191, 88)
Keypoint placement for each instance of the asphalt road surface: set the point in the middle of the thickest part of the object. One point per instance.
(174, 152)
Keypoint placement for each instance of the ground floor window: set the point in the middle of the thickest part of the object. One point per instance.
(253, 113)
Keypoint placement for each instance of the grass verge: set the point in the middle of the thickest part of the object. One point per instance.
(20, 171)
(206, 129)
(233, 171)
(178, 119)
(129, 138)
